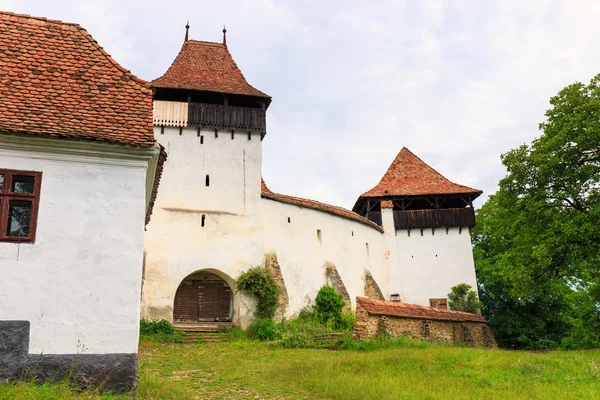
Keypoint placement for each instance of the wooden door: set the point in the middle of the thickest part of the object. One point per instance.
(214, 301)
(186, 302)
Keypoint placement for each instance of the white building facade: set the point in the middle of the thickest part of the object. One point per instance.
(407, 239)
(78, 164)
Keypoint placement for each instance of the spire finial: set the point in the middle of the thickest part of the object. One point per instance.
(187, 28)
(224, 36)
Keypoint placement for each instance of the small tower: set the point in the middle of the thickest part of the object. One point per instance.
(205, 227)
(211, 121)
(431, 219)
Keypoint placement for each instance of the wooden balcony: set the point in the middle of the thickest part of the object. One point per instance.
(210, 116)
(448, 217)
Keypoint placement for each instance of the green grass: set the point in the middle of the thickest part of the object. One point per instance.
(401, 370)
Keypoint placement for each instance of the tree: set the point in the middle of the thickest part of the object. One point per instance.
(537, 242)
(462, 298)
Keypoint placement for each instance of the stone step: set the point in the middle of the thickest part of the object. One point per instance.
(213, 327)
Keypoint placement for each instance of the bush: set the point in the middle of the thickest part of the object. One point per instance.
(306, 333)
(328, 306)
(347, 322)
(462, 298)
(262, 329)
(161, 331)
(257, 281)
(156, 327)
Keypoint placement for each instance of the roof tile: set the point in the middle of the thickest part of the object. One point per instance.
(206, 66)
(57, 81)
(403, 310)
(408, 175)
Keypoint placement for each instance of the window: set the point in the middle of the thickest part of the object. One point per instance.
(207, 180)
(19, 201)
(319, 238)
(439, 303)
(368, 251)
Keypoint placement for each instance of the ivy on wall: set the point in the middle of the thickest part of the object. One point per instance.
(257, 281)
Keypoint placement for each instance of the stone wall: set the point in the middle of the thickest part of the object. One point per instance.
(272, 266)
(372, 289)
(459, 331)
(335, 281)
(114, 372)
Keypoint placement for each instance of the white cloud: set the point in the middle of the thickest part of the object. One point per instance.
(352, 82)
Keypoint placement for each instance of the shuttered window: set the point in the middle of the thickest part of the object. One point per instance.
(19, 203)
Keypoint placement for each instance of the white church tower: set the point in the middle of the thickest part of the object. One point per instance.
(211, 123)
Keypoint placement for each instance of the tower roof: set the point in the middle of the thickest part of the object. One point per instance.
(206, 66)
(55, 80)
(408, 175)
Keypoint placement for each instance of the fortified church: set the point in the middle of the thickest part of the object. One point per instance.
(407, 239)
(122, 200)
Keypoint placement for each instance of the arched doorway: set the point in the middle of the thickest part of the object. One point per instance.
(203, 297)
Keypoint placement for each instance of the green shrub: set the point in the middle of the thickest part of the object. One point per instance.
(236, 333)
(304, 333)
(161, 331)
(462, 298)
(262, 329)
(257, 281)
(328, 306)
(156, 327)
(347, 321)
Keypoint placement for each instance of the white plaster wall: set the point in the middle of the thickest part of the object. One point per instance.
(231, 239)
(429, 265)
(240, 228)
(79, 283)
(302, 258)
(233, 165)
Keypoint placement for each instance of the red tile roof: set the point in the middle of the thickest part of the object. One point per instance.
(55, 80)
(408, 175)
(206, 66)
(403, 310)
(315, 205)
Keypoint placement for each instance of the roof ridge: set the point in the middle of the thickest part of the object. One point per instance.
(204, 42)
(127, 72)
(55, 21)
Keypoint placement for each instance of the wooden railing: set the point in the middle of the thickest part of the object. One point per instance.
(434, 218)
(245, 119)
(227, 117)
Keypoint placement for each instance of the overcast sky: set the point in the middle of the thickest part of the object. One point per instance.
(457, 82)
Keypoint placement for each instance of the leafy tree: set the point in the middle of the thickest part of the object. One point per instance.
(537, 242)
(462, 298)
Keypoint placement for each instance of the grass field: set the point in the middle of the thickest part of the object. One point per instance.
(409, 370)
